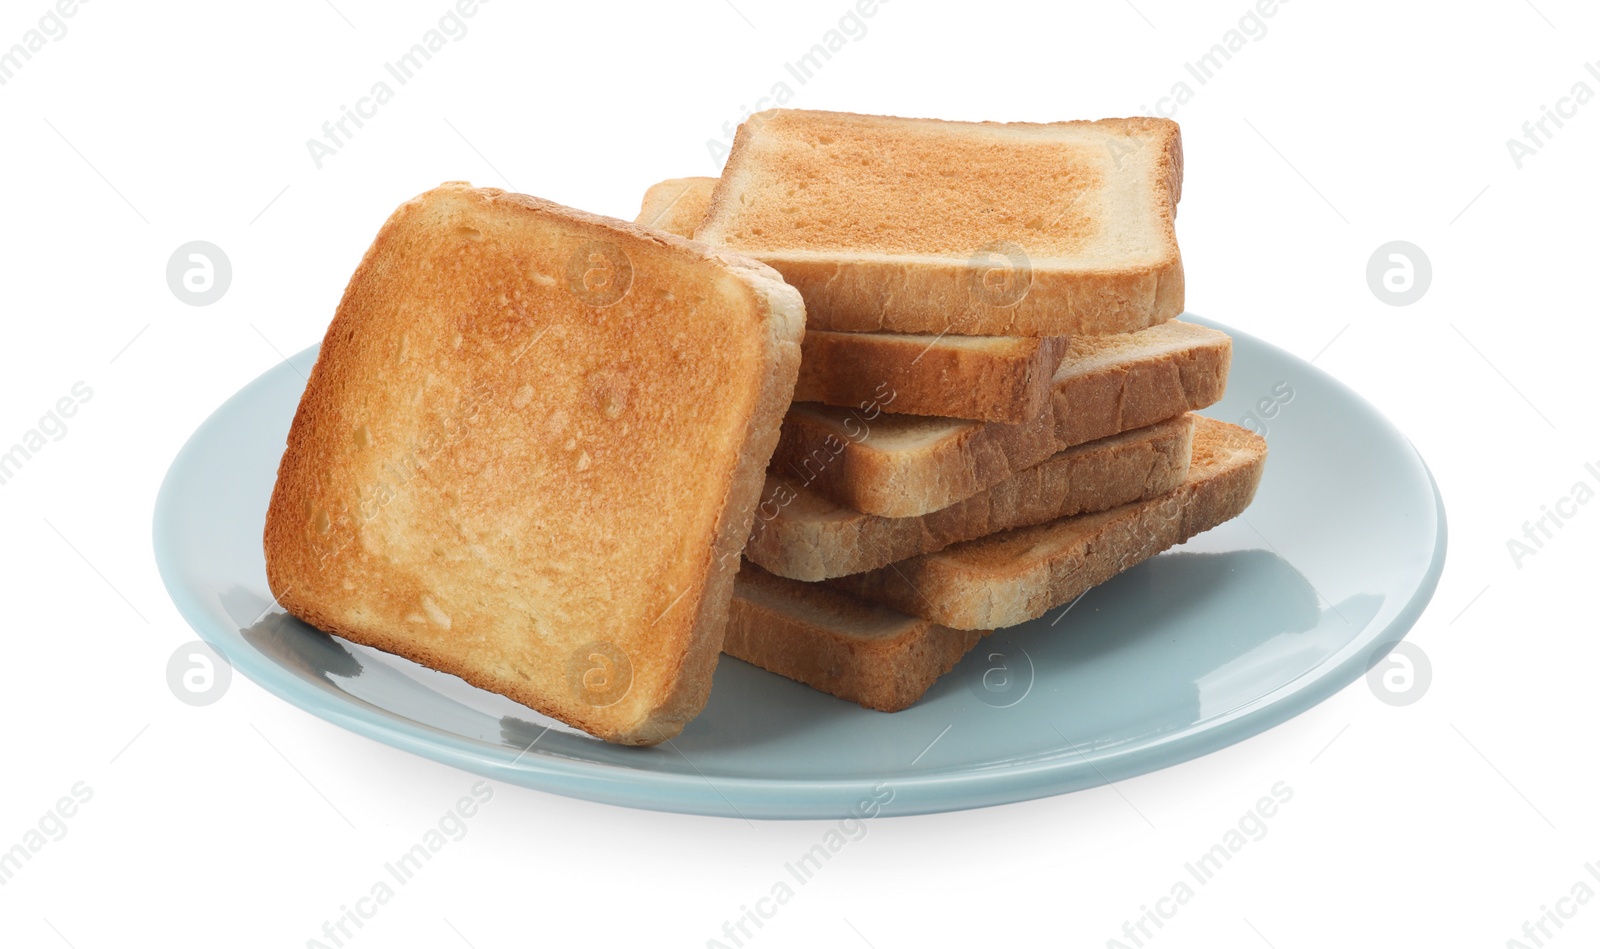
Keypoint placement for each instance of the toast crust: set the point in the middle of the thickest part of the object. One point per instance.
(810, 538)
(504, 469)
(977, 228)
(838, 644)
(898, 466)
(1018, 575)
(1000, 379)
(1005, 379)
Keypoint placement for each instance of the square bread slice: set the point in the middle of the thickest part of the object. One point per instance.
(530, 451)
(839, 644)
(801, 535)
(975, 228)
(988, 378)
(903, 466)
(1018, 575)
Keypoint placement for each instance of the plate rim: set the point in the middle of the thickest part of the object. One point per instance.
(1053, 773)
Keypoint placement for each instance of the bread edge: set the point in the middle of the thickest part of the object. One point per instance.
(780, 309)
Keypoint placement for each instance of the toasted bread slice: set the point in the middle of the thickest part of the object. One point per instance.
(1018, 575)
(988, 378)
(529, 453)
(676, 205)
(985, 378)
(903, 466)
(803, 536)
(837, 643)
(977, 228)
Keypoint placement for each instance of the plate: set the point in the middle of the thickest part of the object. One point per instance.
(1238, 630)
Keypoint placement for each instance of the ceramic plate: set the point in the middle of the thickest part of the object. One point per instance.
(1236, 631)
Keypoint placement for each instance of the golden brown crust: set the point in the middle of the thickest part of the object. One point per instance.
(835, 453)
(838, 644)
(807, 537)
(990, 379)
(924, 202)
(1001, 379)
(529, 453)
(856, 297)
(897, 466)
(1014, 576)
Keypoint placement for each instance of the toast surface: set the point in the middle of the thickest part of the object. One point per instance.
(977, 228)
(902, 466)
(1018, 575)
(529, 452)
(803, 536)
(839, 644)
(676, 205)
(988, 378)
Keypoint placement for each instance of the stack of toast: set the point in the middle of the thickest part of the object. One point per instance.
(882, 387)
(978, 436)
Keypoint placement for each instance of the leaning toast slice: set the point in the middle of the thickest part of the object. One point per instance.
(803, 536)
(837, 643)
(1018, 575)
(896, 465)
(988, 378)
(529, 453)
(977, 228)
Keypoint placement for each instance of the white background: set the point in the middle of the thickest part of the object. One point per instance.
(248, 822)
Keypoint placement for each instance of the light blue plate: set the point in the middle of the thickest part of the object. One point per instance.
(1242, 628)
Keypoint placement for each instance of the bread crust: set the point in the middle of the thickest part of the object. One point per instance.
(810, 538)
(1103, 386)
(1015, 576)
(514, 485)
(838, 644)
(935, 293)
(854, 296)
(1007, 380)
